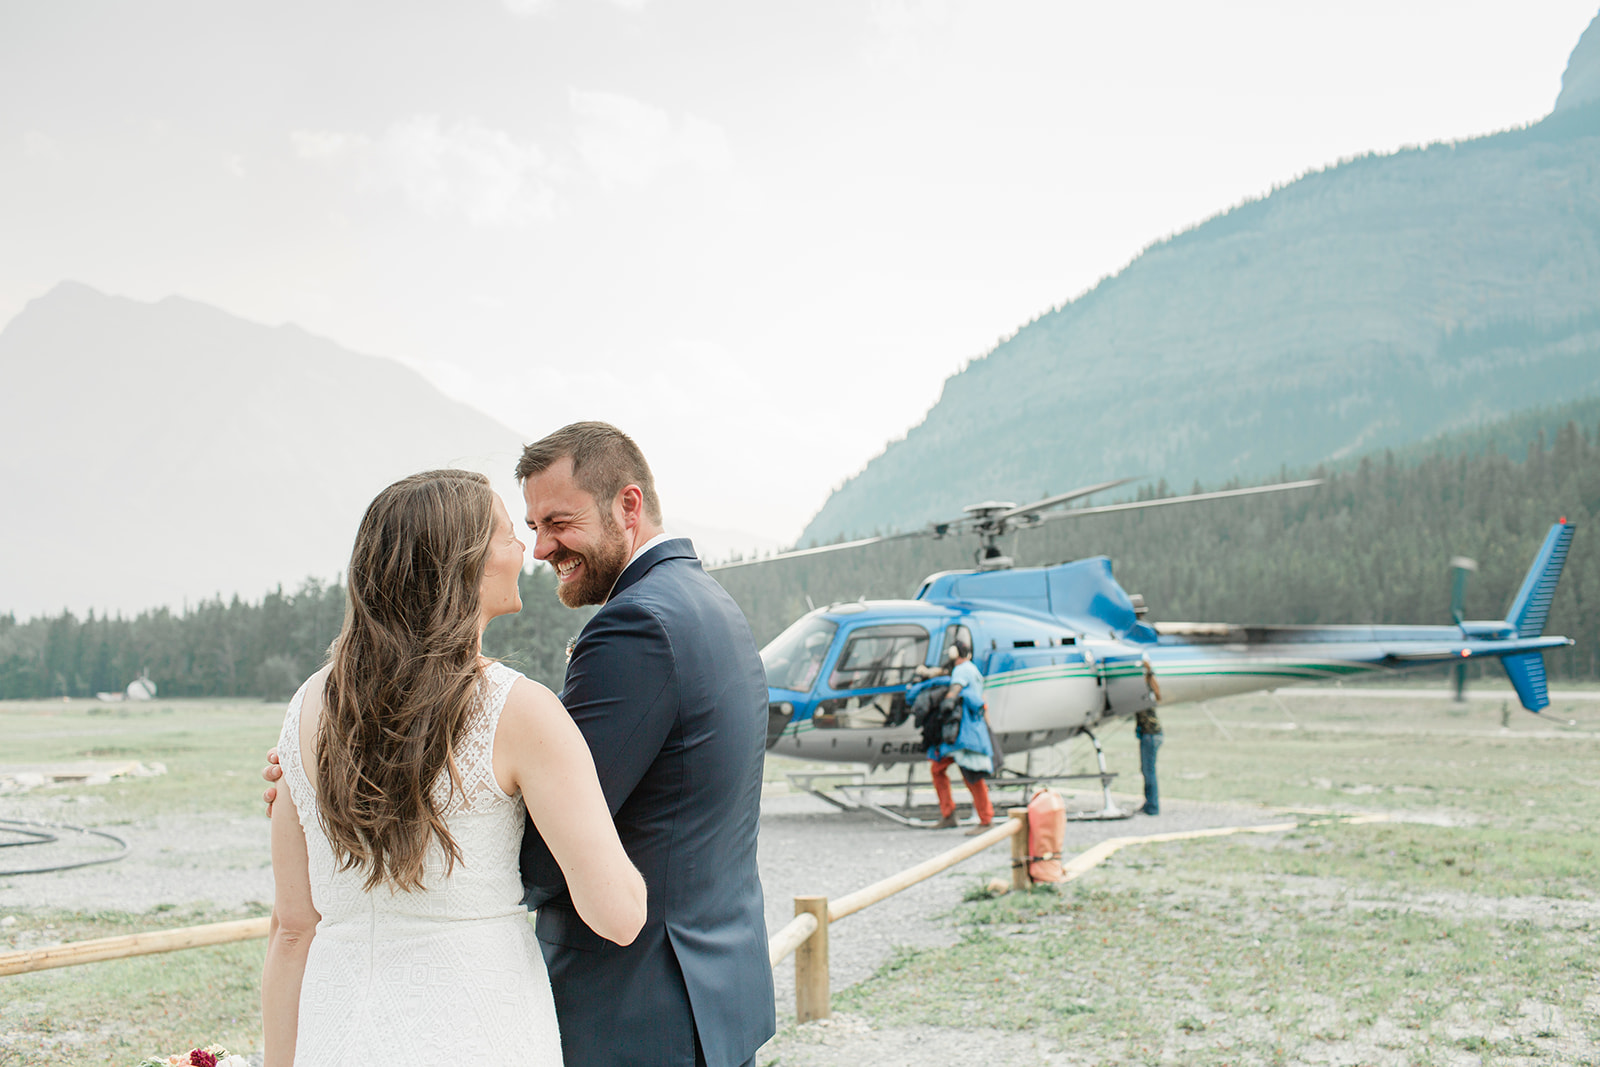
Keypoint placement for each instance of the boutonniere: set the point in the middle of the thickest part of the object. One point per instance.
(572, 643)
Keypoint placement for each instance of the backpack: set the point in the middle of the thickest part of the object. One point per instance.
(940, 723)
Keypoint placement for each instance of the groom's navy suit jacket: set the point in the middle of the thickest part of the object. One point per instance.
(666, 684)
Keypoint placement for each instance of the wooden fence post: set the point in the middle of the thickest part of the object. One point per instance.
(1020, 878)
(811, 964)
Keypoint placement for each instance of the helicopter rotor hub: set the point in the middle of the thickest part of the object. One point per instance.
(988, 509)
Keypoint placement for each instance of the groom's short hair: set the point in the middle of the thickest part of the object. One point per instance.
(605, 461)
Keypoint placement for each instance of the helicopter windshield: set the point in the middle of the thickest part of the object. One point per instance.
(880, 656)
(794, 658)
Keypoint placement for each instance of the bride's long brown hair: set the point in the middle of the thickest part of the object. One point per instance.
(404, 672)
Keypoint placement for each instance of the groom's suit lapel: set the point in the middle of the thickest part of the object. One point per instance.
(676, 548)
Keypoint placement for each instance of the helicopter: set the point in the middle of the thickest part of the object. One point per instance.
(1065, 649)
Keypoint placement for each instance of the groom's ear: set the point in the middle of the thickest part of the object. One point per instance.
(631, 503)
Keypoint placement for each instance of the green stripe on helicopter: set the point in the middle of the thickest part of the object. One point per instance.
(1200, 668)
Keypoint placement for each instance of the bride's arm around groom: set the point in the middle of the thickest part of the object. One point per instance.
(539, 750)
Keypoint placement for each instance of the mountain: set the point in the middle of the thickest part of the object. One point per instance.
(152, 453)
(1374, 303)
(1580, 83)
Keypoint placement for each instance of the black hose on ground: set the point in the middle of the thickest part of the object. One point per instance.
(39, 833)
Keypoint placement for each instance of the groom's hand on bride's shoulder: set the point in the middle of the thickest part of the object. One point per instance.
(271, 772)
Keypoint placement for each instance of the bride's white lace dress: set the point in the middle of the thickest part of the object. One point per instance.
(451, 973)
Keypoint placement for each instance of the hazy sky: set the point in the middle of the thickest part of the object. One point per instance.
(759, 236)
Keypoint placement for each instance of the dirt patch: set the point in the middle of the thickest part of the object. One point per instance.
(172, 860)
(850, 1041)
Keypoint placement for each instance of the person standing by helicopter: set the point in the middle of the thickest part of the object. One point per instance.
(970, 751)
(1147, 728)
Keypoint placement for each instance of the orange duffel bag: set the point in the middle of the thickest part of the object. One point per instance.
(1047, 831)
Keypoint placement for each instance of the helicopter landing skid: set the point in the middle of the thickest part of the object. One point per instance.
(1027, 785)
(1108, 808)
(851, 791)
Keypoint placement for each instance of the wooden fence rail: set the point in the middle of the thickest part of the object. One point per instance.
(116, 948)
(805, 936)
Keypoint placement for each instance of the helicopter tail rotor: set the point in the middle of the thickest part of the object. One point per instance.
(1459, 567)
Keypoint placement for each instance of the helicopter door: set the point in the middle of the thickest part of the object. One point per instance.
(870, 676)
(1122, 683)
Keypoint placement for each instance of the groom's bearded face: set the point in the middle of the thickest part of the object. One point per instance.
(576, 534)
(593, 568)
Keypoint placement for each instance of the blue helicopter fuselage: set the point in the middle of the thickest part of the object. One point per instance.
(1063, 649)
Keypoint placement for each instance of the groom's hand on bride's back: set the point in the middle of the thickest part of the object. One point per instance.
(271, 772)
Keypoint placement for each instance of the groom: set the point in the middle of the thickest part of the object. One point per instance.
(666, 685)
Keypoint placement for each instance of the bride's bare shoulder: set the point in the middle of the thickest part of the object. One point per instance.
(316, 686)
(529, 700)
(317, 682)
(533, 730)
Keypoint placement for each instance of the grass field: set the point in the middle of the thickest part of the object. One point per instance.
(119, 1011)
(212, 750)
(1465, 934)
(1468, 936)
(1226, 953)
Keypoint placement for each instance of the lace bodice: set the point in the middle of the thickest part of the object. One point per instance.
(449, 973)
(485, 822)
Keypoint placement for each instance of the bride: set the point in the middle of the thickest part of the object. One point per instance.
(398, 934)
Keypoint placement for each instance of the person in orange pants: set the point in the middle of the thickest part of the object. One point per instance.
(977, 785)
(971, 750)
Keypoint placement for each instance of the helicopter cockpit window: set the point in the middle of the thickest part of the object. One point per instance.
(794, 658)
(951, 633)
(879, 656)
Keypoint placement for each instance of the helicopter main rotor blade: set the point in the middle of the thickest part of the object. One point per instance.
(1135, 505)
(959, 525)
(1052, 501)
(819, 550)
(951, 527)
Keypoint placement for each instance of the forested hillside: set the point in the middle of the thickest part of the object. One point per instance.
(1372, 545)
(1364, 306)
(1509, 436)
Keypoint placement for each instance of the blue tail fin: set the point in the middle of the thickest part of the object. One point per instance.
(1528, 613)
(1531, 607)
(1526, 671)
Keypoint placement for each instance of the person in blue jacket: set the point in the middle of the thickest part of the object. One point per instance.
(971, 750)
